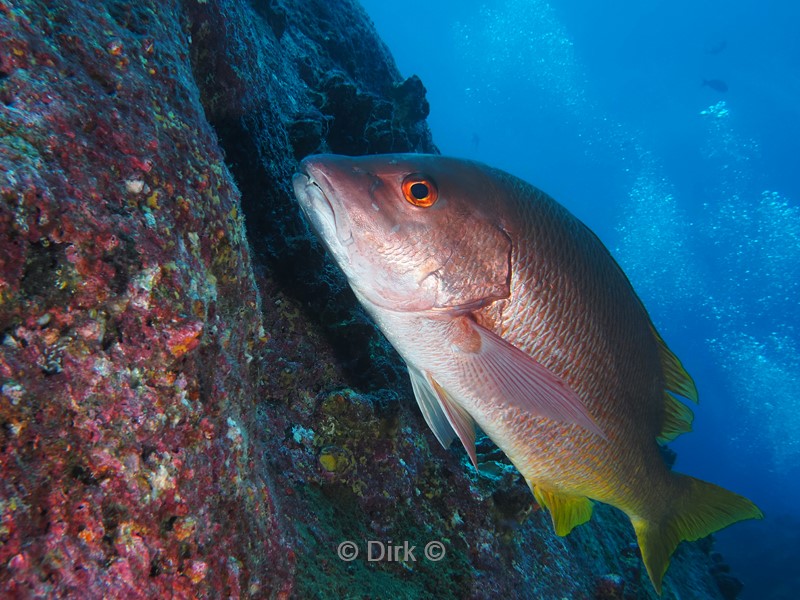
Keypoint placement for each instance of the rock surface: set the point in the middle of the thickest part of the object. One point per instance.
(193, 405)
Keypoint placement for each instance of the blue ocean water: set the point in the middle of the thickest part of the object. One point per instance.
(694, 187)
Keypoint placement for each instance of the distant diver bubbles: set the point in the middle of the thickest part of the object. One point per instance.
(738, 263)
(518, 44)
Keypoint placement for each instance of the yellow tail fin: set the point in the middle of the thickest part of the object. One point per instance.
(699, 509)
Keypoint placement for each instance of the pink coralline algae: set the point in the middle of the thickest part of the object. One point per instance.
(127, 311)
(192, 405)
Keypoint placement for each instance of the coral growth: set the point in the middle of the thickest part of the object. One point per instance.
(193, 404)
(128, 314)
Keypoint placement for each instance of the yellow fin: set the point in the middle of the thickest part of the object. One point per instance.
(677, 419)
(678, 380)
(567, 512)
(700, 509)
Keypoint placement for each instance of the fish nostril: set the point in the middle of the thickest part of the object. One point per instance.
(376, 183)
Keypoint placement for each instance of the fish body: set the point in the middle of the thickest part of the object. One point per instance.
(513, 316)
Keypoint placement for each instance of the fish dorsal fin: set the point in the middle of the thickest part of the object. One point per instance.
(503, 371)
(677, 419)
(567, 512)
(677, 380)
(442, 414)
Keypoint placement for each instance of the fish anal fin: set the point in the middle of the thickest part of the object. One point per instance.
(500, 370)
(677, 380)
(677, 419)
(566, 511)
(699, 509)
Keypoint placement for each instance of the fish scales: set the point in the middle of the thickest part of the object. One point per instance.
(513, 316)
(579, 308)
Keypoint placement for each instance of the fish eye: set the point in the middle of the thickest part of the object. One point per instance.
(420, 190)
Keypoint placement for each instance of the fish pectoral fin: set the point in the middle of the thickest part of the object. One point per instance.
(506, 373)
(442, 414)
(566, 511)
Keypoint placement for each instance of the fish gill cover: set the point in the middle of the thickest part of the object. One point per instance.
(188, 412)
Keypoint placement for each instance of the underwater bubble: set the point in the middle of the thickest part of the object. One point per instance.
(718, 110)
(654, 249)
(739, 267)
(765, 372)
(521, 43)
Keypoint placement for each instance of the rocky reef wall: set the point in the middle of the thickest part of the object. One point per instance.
(193, 405)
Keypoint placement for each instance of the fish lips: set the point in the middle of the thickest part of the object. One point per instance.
(331, 224)
(326, 207)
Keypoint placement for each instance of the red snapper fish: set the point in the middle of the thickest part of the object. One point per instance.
(513, 316)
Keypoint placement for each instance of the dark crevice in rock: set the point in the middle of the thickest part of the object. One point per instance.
(44, 275)
(343, 104)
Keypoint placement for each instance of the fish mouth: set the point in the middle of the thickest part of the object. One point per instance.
(309, 188)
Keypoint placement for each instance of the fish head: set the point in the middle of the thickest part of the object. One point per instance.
(411, 232)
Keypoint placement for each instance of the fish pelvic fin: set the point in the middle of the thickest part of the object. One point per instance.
(700, 509)
(566, 511)
(460, 420)
(432, 410)
(443, 415)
